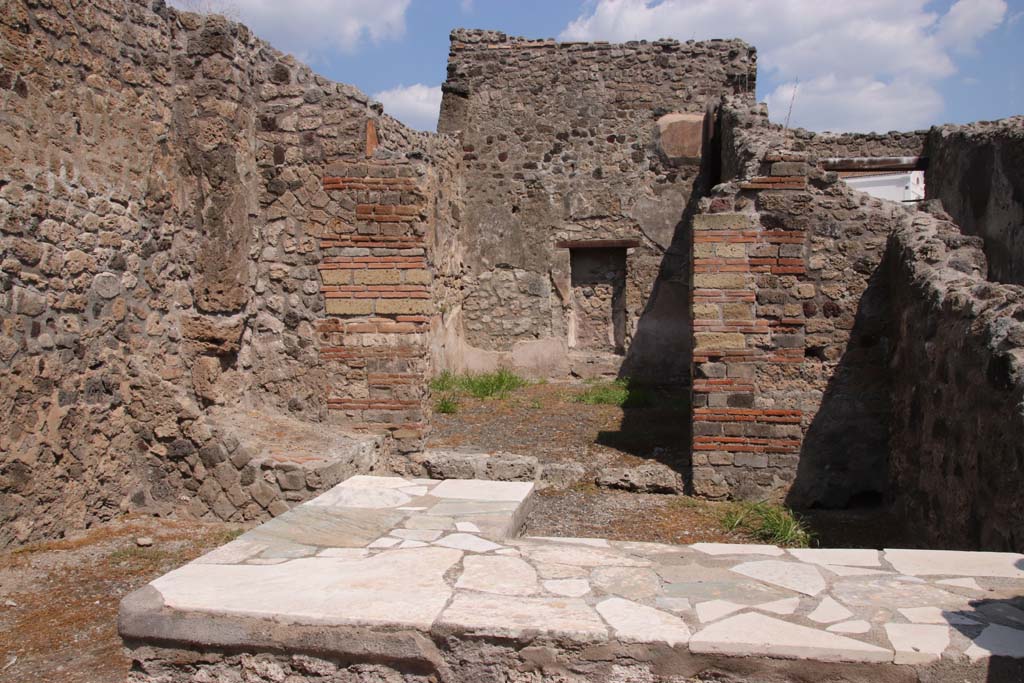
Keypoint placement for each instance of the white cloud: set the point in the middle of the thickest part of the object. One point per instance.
(969, 20)
(309, 28)
(415, 105)
(857, 103)
(863, 65)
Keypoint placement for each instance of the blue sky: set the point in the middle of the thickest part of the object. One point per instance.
(860, 64)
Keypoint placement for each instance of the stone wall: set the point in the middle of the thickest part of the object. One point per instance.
(957, 364)
(849, 349)
(568, 147)
(377, 286)
(976, 171)
(747, 136)
(165, 208)
(845, 145)
(195, 226)
(790, 394)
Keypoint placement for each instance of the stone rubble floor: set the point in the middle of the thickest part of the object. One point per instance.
(442, 557)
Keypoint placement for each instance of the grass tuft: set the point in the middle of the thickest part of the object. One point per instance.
(446, 404)
(135, 555)
(619, 392)
(498, 384)
(768, 523)
(492, 384)
(227, 535)
(446, 381)
(448, 386)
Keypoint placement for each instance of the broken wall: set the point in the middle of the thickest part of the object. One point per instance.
(747, 136)
(567, 147)
(790, 390)
(957, 445)
(975, 171)
(874, 362)
(163, 208)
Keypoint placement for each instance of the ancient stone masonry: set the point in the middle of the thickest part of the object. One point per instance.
(975, 170)
(569, 148)
(789, 391)
(162, 207)
(840, 340)
(739, 331)
(206, 248)
(747, 138)
(376, 285)
(957, 445)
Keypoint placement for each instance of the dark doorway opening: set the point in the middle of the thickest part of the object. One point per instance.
(598, 317)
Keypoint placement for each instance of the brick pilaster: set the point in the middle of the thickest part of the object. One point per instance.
(746, 439)
(376, 282)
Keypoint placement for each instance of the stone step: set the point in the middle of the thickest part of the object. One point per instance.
(427, 577)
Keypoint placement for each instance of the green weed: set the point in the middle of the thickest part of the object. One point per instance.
(620, 392)
(446, 405)
(136, 555)
(488, 384)
(227, 535)
(768, 523)
(446, 381)
(498, 384)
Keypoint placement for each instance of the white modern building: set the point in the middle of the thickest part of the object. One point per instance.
(897, 186)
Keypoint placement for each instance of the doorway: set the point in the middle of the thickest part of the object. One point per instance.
(598, 318)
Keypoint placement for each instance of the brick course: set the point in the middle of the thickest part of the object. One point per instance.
(733, 336)
(788, 323)
(376, 286)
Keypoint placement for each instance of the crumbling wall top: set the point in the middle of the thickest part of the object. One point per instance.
(1012, 126)
(975, 170)
(466, 38)
(749, 137)
(957, 368)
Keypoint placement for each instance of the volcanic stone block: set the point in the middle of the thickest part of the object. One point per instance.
(349, 306)
(403, 306)
(719, 340)
(720, 280)
(336, 277)
(417, 277)
(377, 277)
(724, 221)
(213, 334)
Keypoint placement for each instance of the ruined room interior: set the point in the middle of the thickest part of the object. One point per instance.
(230, 287)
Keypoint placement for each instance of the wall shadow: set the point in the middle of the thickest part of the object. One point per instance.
(657, 419)
(844, 454)
(1006, 663)
(655, 425)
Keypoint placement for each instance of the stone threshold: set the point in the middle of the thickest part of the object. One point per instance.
(395, 570)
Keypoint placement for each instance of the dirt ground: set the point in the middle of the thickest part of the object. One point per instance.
(58, 600)
(542, 420)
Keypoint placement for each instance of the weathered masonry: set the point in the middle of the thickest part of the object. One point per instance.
(579, 163)
(850, 348)
(199, 235)
(197, 230)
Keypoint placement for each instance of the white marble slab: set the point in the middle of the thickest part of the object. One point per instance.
(753, 634)
(956, 563)
(359, 556)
